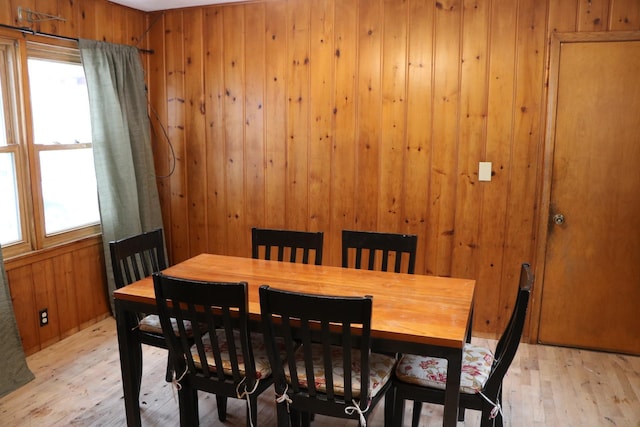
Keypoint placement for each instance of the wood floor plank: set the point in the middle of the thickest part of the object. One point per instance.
(78, 383)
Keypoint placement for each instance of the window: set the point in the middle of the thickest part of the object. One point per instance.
(46, 171)
(12, 225)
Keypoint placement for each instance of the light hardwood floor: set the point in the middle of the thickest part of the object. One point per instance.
(78, 383)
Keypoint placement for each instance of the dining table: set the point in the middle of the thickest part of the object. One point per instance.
(412, 313)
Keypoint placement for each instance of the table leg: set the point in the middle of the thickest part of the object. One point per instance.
(130, 364)
(452, 392)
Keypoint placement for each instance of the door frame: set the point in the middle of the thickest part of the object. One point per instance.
(546, 172)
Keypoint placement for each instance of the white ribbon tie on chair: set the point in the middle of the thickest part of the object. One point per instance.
(349, 410)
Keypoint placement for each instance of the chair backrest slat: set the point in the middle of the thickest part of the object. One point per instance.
(136, 257)
(289, 242)
(319, 324)
(368, 246)
(222, 307)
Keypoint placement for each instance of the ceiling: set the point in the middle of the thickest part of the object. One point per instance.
(153, 5)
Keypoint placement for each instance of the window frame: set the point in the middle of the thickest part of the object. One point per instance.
(14, 122)
(27, 153)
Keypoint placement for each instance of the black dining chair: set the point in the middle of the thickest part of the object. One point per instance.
(423, 379)
(287, 245)
(225, 358)
(134, 258)
(373, 250)
(326, 367)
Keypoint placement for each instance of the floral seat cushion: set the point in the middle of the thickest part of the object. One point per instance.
(432, 371)
(263, 368)
(151, 323)
(380, 369)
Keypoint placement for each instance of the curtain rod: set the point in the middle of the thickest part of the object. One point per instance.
(26, 30)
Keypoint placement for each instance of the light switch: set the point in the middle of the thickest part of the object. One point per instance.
(484, 171)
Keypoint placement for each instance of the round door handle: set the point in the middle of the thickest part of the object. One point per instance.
(558, 219)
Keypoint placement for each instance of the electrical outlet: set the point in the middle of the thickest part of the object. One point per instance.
(44, 317)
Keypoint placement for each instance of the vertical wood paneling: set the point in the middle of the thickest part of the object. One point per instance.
(444, 168)
(66, 293)
(68, 281)
(254, 120)
(67, 9)
(79, 275)
(298, 106)
(174, 64)
(525, 150)
(472, 133)
(117, 31)
(343, 155)
(87, 20)
(46, 297)
(194, 131)
(276, 114)
(24, 306)
(320, 113)
(234, 79)
(216, 154)
(334, 114)
(419, 116)
(163, 154)
(563, 15)
(502, 47)
(370, 32)
(104, 28)
(375, 116)
(6, 13)
(49, 7)
(593, 15)
(394, 80)
(624, 15)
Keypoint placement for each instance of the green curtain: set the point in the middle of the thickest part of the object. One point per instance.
(14, 372)
(125, 173)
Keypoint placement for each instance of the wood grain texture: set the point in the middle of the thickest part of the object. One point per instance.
(68, 281)
(398, 298)
(375, 116)
(472, 78)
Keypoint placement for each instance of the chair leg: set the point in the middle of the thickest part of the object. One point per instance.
(486, 420)
(222, 407)
(188, 403)
(169, 374)
(461, 414)
(296, 418)
(306, 418)
(388, 406)
(139, 379)
(398, 410)
(417, 408)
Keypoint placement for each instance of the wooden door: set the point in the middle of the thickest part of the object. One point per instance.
(591, 283)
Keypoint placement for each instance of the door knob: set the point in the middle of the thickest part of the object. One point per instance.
(558, 219)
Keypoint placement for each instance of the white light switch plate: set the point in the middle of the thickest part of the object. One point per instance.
(484, 171)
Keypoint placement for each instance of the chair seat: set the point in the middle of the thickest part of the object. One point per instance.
(151, 324)
(263, 368)
(432, 371)
(381, 368)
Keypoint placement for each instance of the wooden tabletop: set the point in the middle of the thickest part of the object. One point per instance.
(406, 307)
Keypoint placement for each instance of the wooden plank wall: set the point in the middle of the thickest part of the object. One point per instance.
(68, 280)
(331, 114)
(362, 114)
